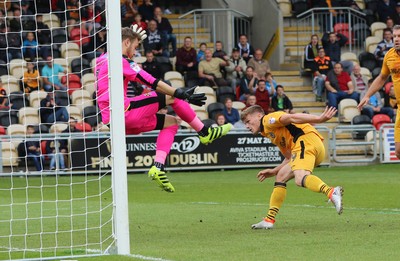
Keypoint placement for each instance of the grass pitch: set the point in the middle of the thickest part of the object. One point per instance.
(210, 214)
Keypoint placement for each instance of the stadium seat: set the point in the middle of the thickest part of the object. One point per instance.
(371, 5)
(62, 98)
(204, 89)
(375, 72)
(360, 120)
(377, 29)
(348, 110)
(361, 4)
(18, 100)
(379, 119)
(17, 67)
(209, 123)
(51, 20)
(238, 105)
(370, 137)
(74, 112)
(299, 6)
(10, 87)
(63, 62)
(370, 16)
(79, 35)
(80, 66)
(224, 92)
(387, 86)
(140, 59)
(28, 116)
(364, 71)
(343, 28)
(367, 60)
(286, 8)
(172, 75)
(215, 108)
(59, 36)
(41, 128)
(177, 83)
(81, 99)
(104, 128)
(91, 115)
(8, 117)
(16, 130)
(72, 81)
(9, 154)
(348, 56)
(371, 42)
(89, 83)
(70, 49)
(59, 127)
(35, 97)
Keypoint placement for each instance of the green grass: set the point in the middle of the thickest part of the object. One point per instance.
(210, 214)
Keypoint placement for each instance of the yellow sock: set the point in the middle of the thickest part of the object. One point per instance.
(315, 184)
(277, 197)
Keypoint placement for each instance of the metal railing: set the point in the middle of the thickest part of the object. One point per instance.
(211, 25)
(347, 21)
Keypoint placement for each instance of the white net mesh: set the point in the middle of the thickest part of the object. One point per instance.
(55, 194)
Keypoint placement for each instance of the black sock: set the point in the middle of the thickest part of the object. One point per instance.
(203, 132)
(159, 165)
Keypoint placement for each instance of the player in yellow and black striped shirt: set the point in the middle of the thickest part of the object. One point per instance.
(390, 66)
(302, 146)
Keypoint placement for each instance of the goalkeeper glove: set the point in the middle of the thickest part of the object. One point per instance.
(191, 97)
(139, 31)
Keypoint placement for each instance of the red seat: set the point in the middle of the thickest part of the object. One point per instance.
(343, 28)
(83, 126)
(80, 36)
(387, 86)
(73, 82)
(2, 130)
(380, 119)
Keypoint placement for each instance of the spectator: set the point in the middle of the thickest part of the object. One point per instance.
(262, 96)
(98, 42)
(31, 78)
(270, 84)
(333, 43)
(390, 100)
(50, 111)
(311, 52)
(155, 41)
(43, 36)
(374, 105)
(147, 10)
(55, 150)
(231, 114)
(322, 65)
(250, 101)
(73, 11)
(165, 28)
(384, 46)
(390, 22)
(11, 42)
(71, 126)
(397, 16)
(50, 77)
(30, 47)
(32, 149)
(235, 69)
(186, 57)
(246, 50)
(210, 70)
(14, 21)
(3, 97)
(260, 65)
(128, 12)
(248, 83)
(139, 22)
(201, 53)
(385, 9)
(280, 102)
(359, 81)
(339, 86)
(220, 119)
(219, 53)
(152, 66)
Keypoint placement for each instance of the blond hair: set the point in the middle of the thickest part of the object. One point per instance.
(251, 110)
(127, 33)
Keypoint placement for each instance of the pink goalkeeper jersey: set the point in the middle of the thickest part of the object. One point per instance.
(131, 72)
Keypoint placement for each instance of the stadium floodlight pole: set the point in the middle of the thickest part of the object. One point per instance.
(118, 143)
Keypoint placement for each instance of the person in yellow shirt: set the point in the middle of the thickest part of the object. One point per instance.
(301, 145)
(31, 78)
(390, 66)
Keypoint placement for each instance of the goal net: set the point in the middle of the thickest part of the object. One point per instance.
(57, 194)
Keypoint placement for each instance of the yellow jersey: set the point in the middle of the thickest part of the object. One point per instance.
(391, 65)
(283, 136)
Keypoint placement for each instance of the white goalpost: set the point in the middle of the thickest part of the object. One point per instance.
(63, 176)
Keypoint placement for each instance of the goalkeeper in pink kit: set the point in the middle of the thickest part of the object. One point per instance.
(141, 111)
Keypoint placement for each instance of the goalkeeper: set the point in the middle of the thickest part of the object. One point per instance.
(302, 147)
(141, 111)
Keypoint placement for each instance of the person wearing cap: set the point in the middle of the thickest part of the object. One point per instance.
(236, 68)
